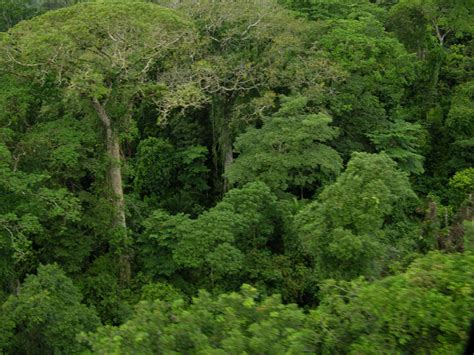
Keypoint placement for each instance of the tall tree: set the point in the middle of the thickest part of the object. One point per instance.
(250, 52)
(443, 19)
(428, 27)
(346, 229)
(106, 55)
(290, 152)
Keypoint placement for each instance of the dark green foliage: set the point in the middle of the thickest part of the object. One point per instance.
(345, 229)
(171, 178)
(218, 244)
(164, 156)
(379, 71)
(14, 11)
(415, 20)
(329, 9)
(34, 215)
(425, 309)
(63, 149)
(460, 120)
(45, 315)
(101, 288)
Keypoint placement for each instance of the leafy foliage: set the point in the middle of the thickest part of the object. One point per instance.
(289, 151)
(425, 309)
(217, 242)
(401, 141)
(345, 229)
(177, 179)
(164, 153)
(47, 314)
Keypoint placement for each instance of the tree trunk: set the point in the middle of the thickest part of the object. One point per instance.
(115, 178)
(227, 153)
(115, 172)
(222, 139)
(437, 58)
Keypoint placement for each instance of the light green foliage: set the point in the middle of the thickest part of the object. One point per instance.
(250, 46)
(460, 120)
(401, 141)
(219, 243)
(27, 43)
(463, 180)
(289, 152)
(379, 71)
(345, 228)
(232, 323)
(47, 314)
(424, 310)
(96, 50)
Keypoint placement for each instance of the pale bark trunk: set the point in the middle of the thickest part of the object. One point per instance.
(441, 36)
(222, 139)
(115, 171)
(115, 178)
